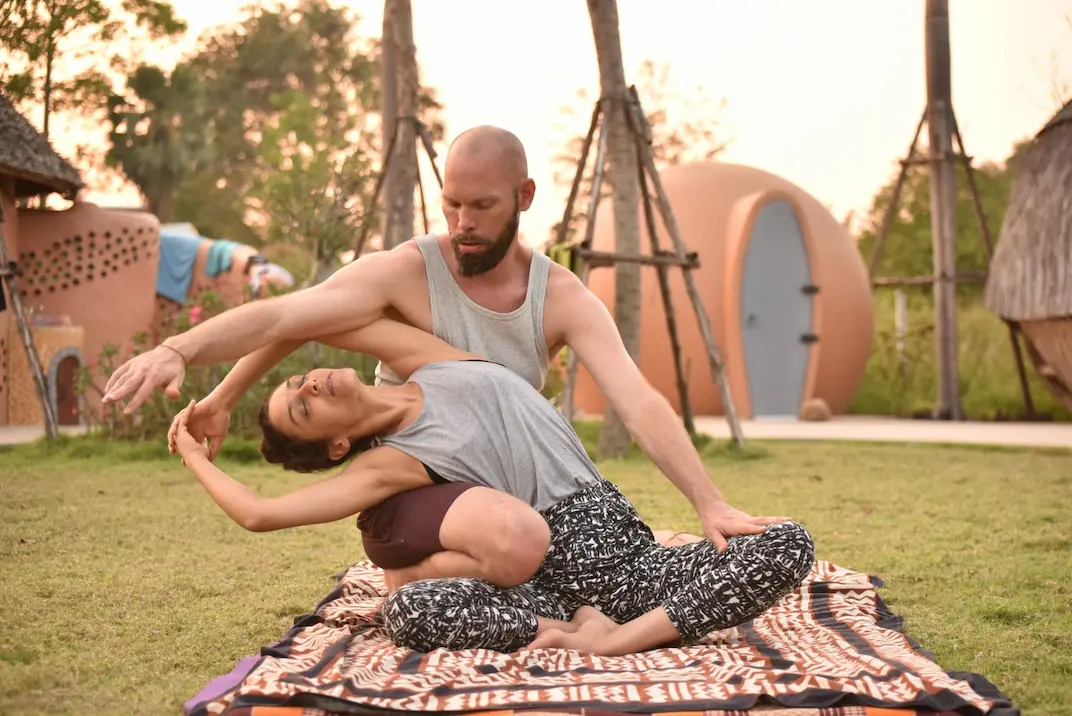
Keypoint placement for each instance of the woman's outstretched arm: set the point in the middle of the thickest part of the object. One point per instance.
(368, 480)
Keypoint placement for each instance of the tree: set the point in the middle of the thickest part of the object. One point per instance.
(316, 197)
(265, 132)
(614, 439)
(158, 135)
(684, 123)
(397, 44)
(45, 37)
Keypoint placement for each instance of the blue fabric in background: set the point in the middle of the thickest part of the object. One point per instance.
(219, 257)
(178, 254)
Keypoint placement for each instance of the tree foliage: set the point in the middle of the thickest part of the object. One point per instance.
(58, 50)
(266, 132)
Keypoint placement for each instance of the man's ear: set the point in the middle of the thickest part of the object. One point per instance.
(526, 193)
(338, 448)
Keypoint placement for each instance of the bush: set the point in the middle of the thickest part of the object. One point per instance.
(906, 385)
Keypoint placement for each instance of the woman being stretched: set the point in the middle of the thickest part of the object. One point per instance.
(606, 585)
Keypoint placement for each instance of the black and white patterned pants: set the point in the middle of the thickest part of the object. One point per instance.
(603, 555)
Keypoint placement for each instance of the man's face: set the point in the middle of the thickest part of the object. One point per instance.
(483, 211)
(477, 254)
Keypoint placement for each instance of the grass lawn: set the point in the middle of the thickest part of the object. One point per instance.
(126, 588)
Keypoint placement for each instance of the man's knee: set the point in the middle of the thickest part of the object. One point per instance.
(508, 538)
(794, 547)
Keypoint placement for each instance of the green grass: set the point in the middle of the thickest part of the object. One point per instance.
(126, 587)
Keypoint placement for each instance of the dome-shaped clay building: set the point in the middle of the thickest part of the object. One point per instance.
(783, 283)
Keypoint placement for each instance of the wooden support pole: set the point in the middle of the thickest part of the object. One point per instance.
(567, 213)
(668, 302)
(589, 233)
(362, 235)
(9, 276)
(938, 155)
(943, 207)
(718, 373)
(603, 259)
(972, 277)
(980, 215)
(429, 149)
(426, 140)
(895, 199)
(424, 204)
(662, 260)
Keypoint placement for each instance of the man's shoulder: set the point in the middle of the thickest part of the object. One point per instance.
(563, 285)
(568, 302)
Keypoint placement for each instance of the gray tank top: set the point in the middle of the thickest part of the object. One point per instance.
(514, 339)
(482, 423)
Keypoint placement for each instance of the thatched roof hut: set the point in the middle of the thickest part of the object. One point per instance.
(27, 156)
(1030, 277)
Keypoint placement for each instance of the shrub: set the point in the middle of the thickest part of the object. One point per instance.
(904, 383)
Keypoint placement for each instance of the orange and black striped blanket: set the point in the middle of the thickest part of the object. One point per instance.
(830, 648)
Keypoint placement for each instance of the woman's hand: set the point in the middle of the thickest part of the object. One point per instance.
(207, 419)
(180, 439)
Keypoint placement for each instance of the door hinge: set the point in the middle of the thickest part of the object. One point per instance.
(809, 338)
(810, 289)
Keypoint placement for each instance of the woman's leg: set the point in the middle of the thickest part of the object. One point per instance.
(463, 613)
(442, 531)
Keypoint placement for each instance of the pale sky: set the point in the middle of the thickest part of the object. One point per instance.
(825, 93)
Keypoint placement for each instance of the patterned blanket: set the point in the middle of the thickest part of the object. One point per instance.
(830, 648)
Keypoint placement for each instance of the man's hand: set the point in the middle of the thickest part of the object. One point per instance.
(185, 443)
(160, 367)
(723, 521)
(207, 420)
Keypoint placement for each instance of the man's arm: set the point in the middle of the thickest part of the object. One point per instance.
(649, 417)
(351, 298)
(589, 329)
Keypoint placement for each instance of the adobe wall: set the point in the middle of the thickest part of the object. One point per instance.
(95, 266)
(24, 406)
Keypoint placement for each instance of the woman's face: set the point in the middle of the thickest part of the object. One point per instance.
(323, 404)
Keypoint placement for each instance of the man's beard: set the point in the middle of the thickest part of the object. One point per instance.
(474, 263)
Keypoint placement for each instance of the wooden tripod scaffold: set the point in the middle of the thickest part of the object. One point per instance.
(583, 258)
(911, 159)
(421, 133)
(9, 272)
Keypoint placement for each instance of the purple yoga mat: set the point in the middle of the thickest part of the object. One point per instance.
(222, 684)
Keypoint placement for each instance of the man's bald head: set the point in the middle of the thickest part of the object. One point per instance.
(491, 147)
(486, 186)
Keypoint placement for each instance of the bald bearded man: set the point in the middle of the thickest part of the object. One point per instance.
(476, 287)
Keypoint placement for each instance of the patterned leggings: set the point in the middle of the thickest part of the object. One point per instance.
(603, 555)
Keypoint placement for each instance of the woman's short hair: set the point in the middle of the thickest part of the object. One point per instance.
(301, 455)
